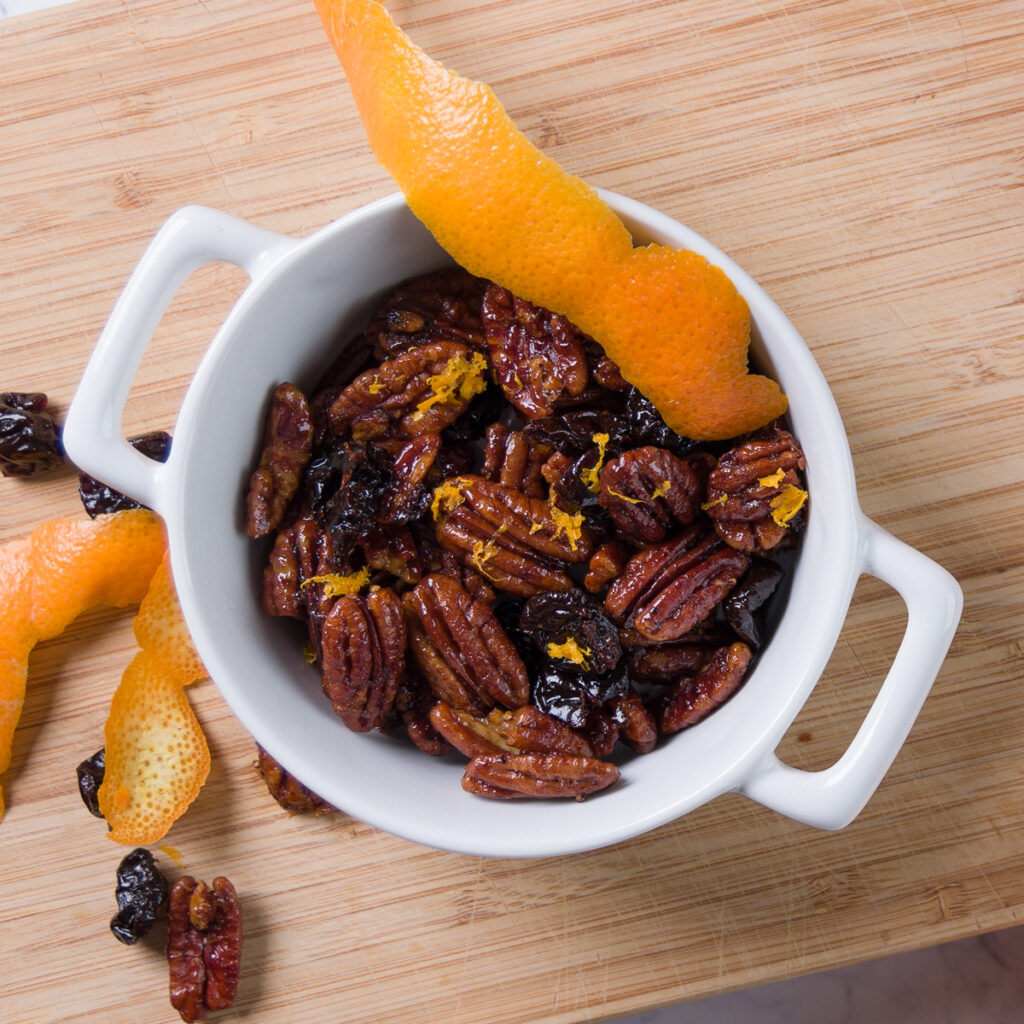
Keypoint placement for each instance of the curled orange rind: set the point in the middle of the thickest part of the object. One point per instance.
(50, 577)
(675, 324)
(157, 758)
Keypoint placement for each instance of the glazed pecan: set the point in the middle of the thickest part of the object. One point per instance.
(668, 663)
(287, 443)
(514, 461)
(755, 494)
(408, 496)
(605, 564)
(204, 946)
(421, 391)
(414, 703)
(363, 657)
(291, 794)
(668, 588)
(690, 700)
(637, 726)
(647, 489)
(520, 544)
(526, 730)
(393, 549)
(461, 648)
(443, 306)
(507, 776)
(538, 356)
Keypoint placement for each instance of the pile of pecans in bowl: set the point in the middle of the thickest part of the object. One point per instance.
(498, 545)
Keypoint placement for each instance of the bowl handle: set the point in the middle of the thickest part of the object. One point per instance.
(832, 798)
(93, 435)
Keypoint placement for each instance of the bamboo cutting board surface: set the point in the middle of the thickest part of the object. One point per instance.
(862, 159)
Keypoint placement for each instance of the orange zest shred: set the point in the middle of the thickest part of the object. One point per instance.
(157, 758)
(720, 500)
(592, 477)
(569, 651)
(461, 379)
(661, 490)
(50, 577)
(447, 496)
(338, 585)
(626, 497)
(787, 503)
(569, 525)
(505, 211)
(773, 480)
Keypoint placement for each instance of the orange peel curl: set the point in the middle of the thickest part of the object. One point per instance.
(673, 323)
(157, 758)
(50, 577)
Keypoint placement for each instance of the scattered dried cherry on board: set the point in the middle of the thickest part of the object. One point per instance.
(141, 895)
(99, 499)
(90, 777)
(29, 438)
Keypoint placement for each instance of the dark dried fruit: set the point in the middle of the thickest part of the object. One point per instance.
(538, 356)
(204, 946)
(573, 433)
(90, 777)
(571, 629)
(287, 443)
(647, 426)
(291, 794)
(746, 607)
(572, 697)
(29, 438)
(408, 497)
(99, 499)
(141, 896)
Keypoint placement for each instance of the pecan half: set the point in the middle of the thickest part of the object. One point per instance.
(413, 703)
(538, 356)
(289, 793)
(507, 776)
(605, 564)
(512, 460)
(443, 306)
(755, 495)
(363, 658)
(461, 648)
(668, 588)
(647, 489)
(526, 730)
(694, 699)
(287, 443)
(204, 946)
(421, 391)
(408, 497)
(520, 544)
(638, 728)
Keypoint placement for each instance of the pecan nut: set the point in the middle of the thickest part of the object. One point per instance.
(755, 497)
(638, 728)
(287, 443)
(605, 564)
(668, 588)
(538, 356)
(363, 657)
(289, 793)
(408, 497)
(461, 647)
(691, 700)
(512, 460)
(526, 730)
(421, 391)
(507, 776)
(647, 489)
(204, 946)
(520, 544)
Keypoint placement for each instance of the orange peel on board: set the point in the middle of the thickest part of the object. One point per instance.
(674, 323)
(157, 758)
(50, 577)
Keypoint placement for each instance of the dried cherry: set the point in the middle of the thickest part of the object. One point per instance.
(571, 628)
(29, 439)
(90, 777)
(747, 606)
(99, 499)
(141, 895)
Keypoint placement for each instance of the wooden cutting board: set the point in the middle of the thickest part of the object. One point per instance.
(863, 160)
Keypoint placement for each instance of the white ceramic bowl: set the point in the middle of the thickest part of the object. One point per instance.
(302, 295)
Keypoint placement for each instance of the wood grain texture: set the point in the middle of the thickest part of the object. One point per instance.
(862, 159)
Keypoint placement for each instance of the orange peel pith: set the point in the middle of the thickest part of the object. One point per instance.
(157, 758)
(675, 324)
(50, 577)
